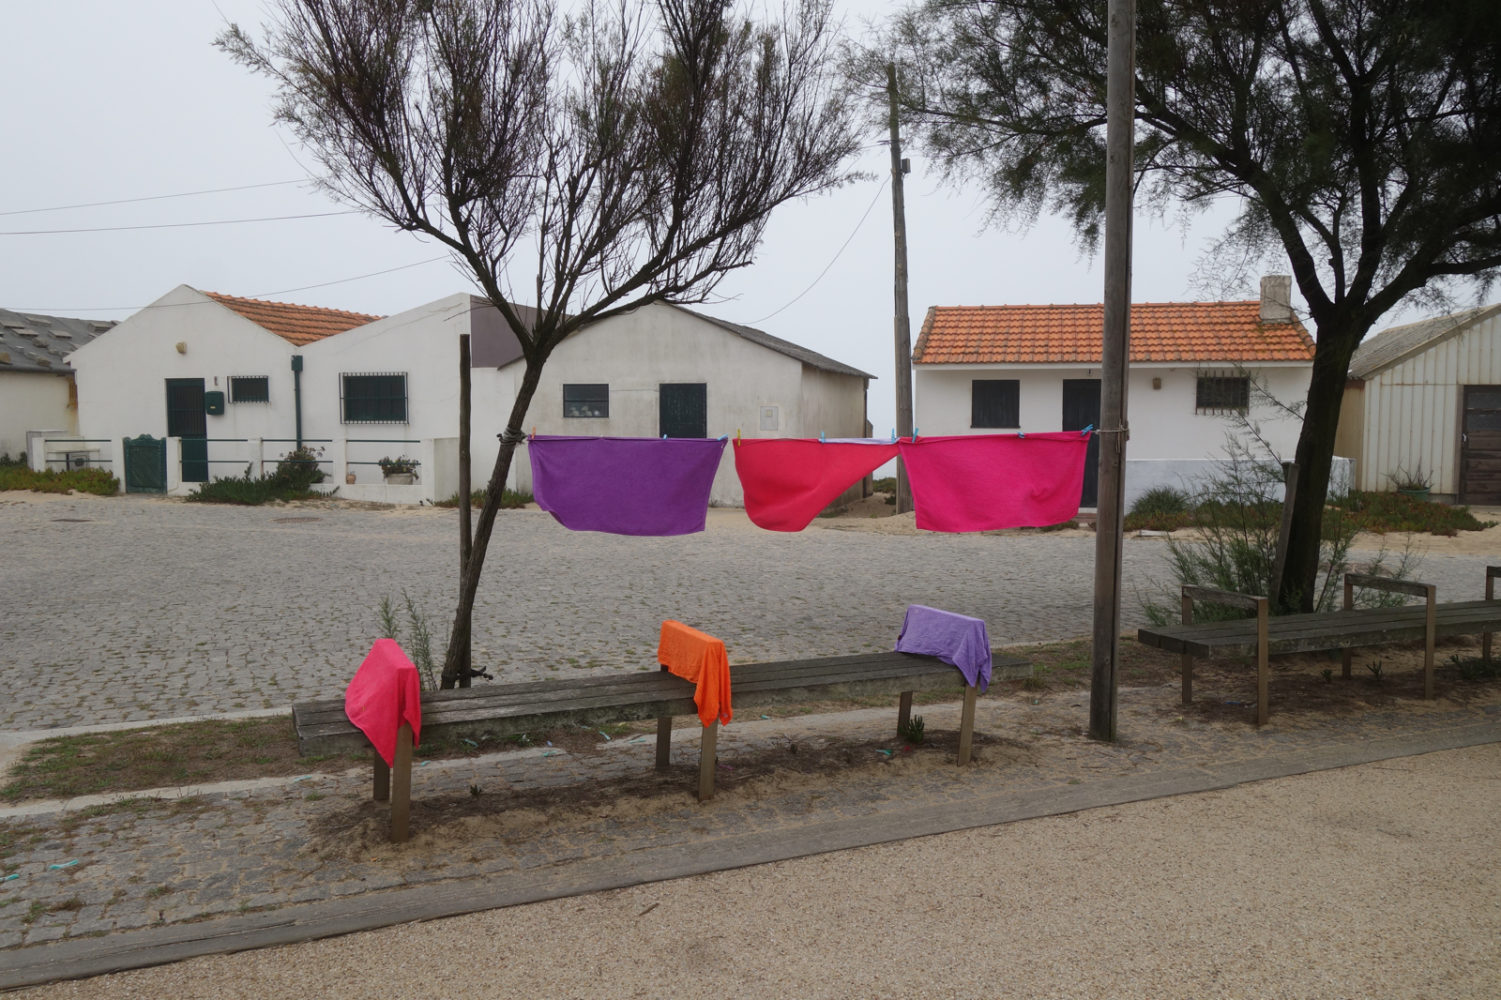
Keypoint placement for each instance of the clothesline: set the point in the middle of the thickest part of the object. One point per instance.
(661, 486)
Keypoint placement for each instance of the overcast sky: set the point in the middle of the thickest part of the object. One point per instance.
(108, 100)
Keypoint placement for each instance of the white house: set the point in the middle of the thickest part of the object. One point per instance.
(666, 370)
(1424, 399)
(993, 369)
(38, 397)
(243, 381)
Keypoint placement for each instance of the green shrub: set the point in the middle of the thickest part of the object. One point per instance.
(297, 471)
(1380, 513)
(15, 476)
(1162, 500)
(886, 484)
(292, 480)
(509, 500)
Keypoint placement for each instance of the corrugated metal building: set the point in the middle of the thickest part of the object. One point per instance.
(1424, 400)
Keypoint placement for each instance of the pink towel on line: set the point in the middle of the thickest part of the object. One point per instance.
(384, 693)
(992, 481)
(788, 481)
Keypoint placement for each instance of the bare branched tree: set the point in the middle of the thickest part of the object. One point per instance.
(615, 156)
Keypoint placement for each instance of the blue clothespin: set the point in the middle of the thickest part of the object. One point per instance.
(664, 437)
(724, 437)
(820, 438)
(893, 435)
(914, 435)
(1085, 431)
(1021, 435)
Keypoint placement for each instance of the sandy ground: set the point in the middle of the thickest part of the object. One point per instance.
(1373, 881)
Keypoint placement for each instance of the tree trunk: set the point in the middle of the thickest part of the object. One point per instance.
(455, 670)
(1296, 589)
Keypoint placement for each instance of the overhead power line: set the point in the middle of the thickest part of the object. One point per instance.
(837, 254)
(176, 225)
(152, 197)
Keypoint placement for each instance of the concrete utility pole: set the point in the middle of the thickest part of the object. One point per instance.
(1120, 107)
(903, 322)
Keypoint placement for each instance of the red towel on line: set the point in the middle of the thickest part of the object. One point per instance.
(992, 481)
(698, 657)
(384, 693)
(787, 482)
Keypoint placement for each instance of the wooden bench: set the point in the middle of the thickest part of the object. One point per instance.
(1262, 636)
(502, 710)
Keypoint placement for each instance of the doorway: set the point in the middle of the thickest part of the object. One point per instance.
(186, 420)
(1081, 409)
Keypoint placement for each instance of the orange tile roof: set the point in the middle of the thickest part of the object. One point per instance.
(299, 324)
(1160, 332)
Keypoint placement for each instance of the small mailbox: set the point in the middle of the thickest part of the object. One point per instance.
(213, 403)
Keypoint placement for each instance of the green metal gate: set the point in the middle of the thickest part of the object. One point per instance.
(145, 464)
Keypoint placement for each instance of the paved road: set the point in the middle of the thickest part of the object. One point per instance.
(135, 608)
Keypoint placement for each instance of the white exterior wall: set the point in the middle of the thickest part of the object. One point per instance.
(635, 353)
(122, 374)
(33, 401)
(1171, 444)
(1412, 409)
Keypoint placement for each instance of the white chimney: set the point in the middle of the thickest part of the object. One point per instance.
(1277, 298)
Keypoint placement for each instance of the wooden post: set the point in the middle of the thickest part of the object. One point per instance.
(466, 526)
(1187, 662)
(401, 792)
(1263, 667)
(967, 724)
(1430, 636)
(382, 789)
(664, 737)
(903, 712)
(902, 323)
(707, 761)
(1120, 107)
(1491, 572)
(1347, 652)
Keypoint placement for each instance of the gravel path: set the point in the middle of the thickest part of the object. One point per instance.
(1370, 881)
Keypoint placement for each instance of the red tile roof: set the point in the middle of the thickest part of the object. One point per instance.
(299, 324)
(1160, 332)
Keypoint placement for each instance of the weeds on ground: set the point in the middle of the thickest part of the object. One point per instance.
(509, 499)
(421, 642)
(19, 476)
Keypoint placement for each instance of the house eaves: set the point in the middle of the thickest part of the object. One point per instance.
(34, 343)
(299, 325)
(1398, 343)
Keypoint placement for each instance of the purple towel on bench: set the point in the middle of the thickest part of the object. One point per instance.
(956, 639)
(625, 486)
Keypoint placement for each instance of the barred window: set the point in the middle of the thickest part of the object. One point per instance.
(249, 389)
(586, 400)
(375, 398)
(1222, 394)
(995, 402)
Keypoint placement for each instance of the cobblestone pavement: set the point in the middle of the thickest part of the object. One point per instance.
(134, 608)
(547, 822)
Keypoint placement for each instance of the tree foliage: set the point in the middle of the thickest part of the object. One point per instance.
(582, 164)
(1361, 140)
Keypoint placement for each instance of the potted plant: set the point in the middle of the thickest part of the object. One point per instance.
(399, 471)
(1415, 484)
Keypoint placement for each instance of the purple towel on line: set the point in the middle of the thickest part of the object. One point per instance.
(956, 639)
(625, 486)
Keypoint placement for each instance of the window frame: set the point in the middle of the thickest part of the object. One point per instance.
(235, 387)
(1006, 408)
(374, 400)
(586, 394)
(1218, 393)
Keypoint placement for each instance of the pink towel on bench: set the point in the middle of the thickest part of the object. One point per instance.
(384, 693)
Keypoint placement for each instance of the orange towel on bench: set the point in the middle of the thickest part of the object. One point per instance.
(384, 693)
(698, 657)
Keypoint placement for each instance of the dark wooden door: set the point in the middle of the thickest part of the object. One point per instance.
(1480, 445)
(683, 409)
(1081, 409)
(186, 420)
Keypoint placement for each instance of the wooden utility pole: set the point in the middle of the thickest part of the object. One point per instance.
(466, 526)
(903, 322)
(1120, 107)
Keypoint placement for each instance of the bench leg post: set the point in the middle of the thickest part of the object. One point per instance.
(1187, 663)
(664, 742)
(1430, 637)
(967, 724)
(401, 797)
(903, 712)
(1346, 653)
(1263, 668)
(707, 761)
(381, 791)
